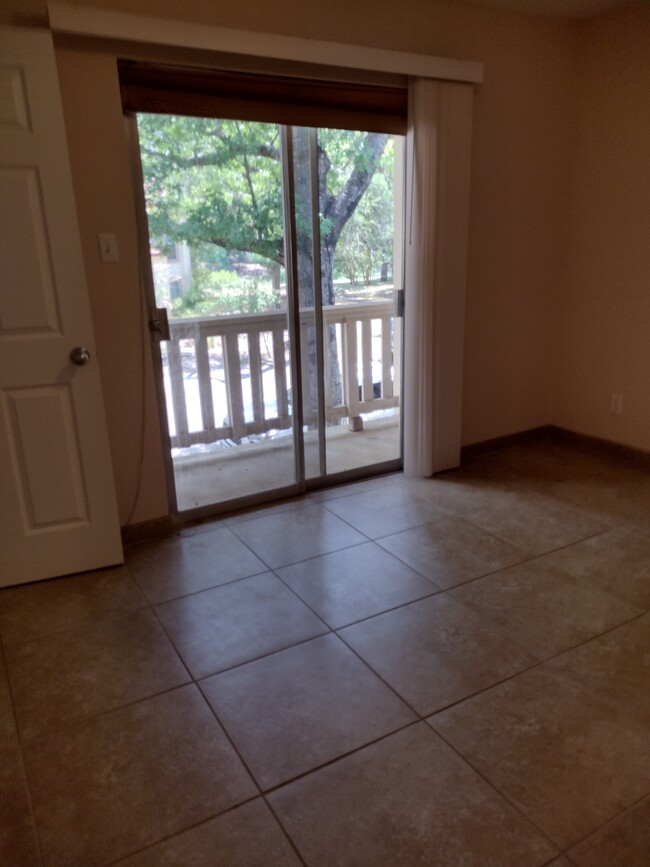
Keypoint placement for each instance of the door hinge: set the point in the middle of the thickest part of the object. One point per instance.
(159, 323)
(398, 301)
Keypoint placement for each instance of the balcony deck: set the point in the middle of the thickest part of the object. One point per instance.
(223, 475)
(227, 379)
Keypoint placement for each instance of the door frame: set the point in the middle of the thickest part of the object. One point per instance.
(302, 484)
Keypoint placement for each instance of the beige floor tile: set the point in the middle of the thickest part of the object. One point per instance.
(535, 524)
(569, 759)
(623, 842)
(371, 486)
(7, 716)
(491, 474)
(616, 666)
(639, 527)
(79, 673)
(235, 623)
(616, 561)
(287, 537)
(124, 757)
(35, 610)
(463, 489)
(619, 498)
(451, 551)
(435, 651)
(491, 469)
(546, 463)
(406, 800)
(18, 844)
(355, 583)
(302, 707)
(638, 506)
(397, 509)
(117, 783)
(248, 836)
(543, 609)
(186, 564)
(263, 511)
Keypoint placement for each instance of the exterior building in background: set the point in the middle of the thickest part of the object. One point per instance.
(172, 271)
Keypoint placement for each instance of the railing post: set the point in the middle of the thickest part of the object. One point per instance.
(366, 359)
(234, 397)
(386, 357)
(177, 384)
(280, 371)
(229, 330)
(355, 422)
(255, 367)
(205, 378)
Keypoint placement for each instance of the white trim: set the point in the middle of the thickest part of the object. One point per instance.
(90, 21)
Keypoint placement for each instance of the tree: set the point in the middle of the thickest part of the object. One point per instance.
(218, 182)
(366, 243)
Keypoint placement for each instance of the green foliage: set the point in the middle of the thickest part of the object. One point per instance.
(225, 292)
(366, 242)
(211, 181)
(217, 185)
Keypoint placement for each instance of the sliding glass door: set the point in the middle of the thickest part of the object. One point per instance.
(272, 254)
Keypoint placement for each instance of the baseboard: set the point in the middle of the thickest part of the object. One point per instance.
(544, 433)
(553, 433)
(147, 530)
(524, 437)
(638, 457)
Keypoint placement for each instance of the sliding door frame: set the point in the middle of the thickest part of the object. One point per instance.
(302, 484)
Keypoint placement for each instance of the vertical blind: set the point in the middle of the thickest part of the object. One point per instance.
(437, 208)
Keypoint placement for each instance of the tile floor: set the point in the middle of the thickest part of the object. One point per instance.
(452, 671)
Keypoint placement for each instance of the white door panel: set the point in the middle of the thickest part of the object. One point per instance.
(57, 506)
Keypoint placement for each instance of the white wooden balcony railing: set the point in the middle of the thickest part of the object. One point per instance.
(229, 377)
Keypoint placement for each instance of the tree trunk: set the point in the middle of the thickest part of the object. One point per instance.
(275, 269)
(304, 251)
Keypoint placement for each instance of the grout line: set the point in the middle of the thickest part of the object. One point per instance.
(174, 834)
(446, 516)
(232, 743)
(86, 621)
(79, 722)
(264, 571)
(609, 821)
(21, 752)
(329, 630)
(84, 625)
(501, 794)
(302, 559)
(199, 680)
(341, 757)
(539, 664)
(284, 831)
(434, 592)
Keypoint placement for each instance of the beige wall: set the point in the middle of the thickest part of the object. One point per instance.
(519, 199)
(102, 180)
(604, 314)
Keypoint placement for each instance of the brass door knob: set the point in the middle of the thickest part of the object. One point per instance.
(80, 355)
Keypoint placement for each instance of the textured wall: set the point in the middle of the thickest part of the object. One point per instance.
(604, 314)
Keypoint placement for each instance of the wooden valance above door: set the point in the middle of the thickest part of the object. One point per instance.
(156, 89)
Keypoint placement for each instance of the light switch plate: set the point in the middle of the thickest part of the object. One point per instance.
(108, 248)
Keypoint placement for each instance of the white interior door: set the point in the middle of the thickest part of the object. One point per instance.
(58, 512)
